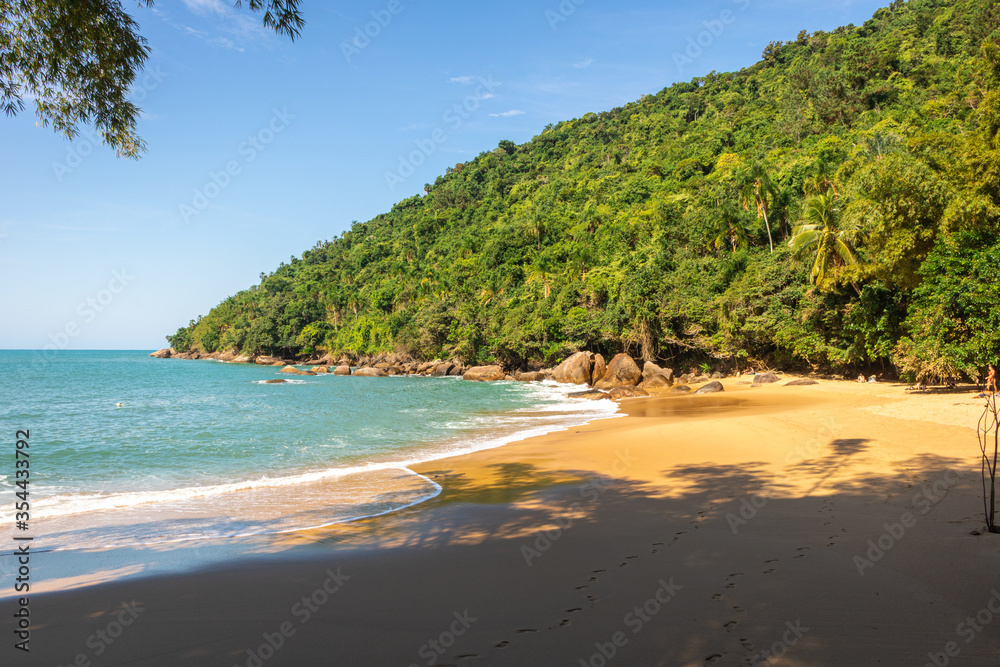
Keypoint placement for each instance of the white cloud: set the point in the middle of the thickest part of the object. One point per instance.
(507, 114)
(464, 80)
(242, 28)
(583, 64)
(206, 7)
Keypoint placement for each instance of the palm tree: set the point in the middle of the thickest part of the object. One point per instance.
(818, 228)
(879, 145)
(729, 228)
(758, 190)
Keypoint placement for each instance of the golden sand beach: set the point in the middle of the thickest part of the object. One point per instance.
(825, 525)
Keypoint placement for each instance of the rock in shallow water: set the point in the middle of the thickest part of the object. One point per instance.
(484, 374)
(369, 372)
(591, 394)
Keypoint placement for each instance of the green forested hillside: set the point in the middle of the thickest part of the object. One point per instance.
(868, 157)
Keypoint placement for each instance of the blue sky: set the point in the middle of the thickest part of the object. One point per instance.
(259, 147)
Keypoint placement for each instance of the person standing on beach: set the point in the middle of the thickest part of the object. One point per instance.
(991, 380)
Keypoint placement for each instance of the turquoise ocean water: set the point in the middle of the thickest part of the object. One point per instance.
(202, 449)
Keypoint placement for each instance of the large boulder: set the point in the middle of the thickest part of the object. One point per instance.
(622, 372)
(619, 393)
(321, 369)
(275, 381)
(801, 382)
(369, 372)
(342, 370)
(711, 388)
(533, 376)
(265, 360)
(484, 374)
(600, 368)
(764, 378)
(457, 370)
(574, 370)
(680, 389)
(162, 354)
(651, 371)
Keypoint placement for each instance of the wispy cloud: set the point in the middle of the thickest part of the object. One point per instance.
(507, 114)
(206, 6)
(584, 64)
(464, 80)
(240, 28)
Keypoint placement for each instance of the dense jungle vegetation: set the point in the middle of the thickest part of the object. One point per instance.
(835, 207)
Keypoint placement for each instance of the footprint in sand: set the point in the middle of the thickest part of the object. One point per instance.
(573, 610)
(526, 630)
(730, 625)
(771, 571)
(503, 644)
(717, 596)
(714, 658)
(467, 656)
(599, 571)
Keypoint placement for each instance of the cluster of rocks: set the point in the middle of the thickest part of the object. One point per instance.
(382, 365)
(616, 379)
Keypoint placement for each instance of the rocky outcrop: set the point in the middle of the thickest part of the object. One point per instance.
(619, 393)
(342, 370)
(764, 378)
(369, 372)
(801, 382)
(574, 370)
(321, 369)
(265, 360)
(713, 387)
(622, 372)
(531, 376)
(165, 353)
(484, 374)
(600, 368)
